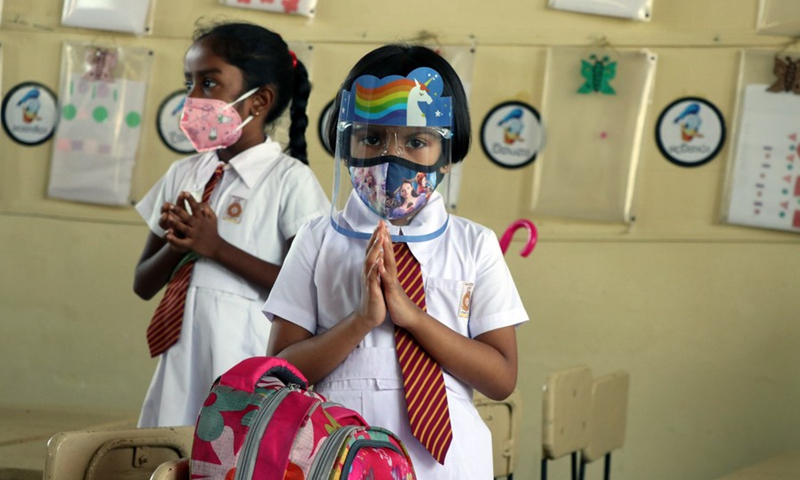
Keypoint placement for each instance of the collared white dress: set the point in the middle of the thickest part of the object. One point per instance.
(262, 199)
(320, 284)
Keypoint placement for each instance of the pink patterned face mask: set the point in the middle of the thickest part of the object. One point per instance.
(211, 124)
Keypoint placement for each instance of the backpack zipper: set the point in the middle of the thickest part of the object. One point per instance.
(247, 457)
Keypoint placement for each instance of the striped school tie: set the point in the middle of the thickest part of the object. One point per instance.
(423, 380)
(165, 327)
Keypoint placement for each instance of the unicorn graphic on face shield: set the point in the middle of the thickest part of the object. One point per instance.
(415, 100)
(417, 94)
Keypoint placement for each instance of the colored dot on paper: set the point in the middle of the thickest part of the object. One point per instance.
(133, 119)
(100, 114)
(69, 111)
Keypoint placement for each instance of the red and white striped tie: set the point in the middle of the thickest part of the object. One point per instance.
(423, 380)
(165, 327)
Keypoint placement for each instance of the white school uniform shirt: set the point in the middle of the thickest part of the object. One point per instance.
(262, 199)
(320, 284)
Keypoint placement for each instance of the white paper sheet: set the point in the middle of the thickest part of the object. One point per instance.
(294, 7)
(118, 15)
(635, 9)
(779, 17)
(97, 138)
(765, 184)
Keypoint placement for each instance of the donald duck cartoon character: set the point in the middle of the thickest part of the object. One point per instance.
(690, 122)
(513, 126)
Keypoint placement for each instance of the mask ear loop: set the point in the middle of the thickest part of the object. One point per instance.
(242, 97)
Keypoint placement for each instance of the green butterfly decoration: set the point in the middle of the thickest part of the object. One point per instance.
(598, 72)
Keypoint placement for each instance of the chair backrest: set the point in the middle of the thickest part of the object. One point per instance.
(503, 418)
(609, 415)
(566, 411)
(172, 470)
(121, 454)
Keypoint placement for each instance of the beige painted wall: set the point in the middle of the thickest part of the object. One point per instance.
(703, 314)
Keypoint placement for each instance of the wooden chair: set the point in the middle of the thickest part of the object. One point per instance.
(503, 418)
(607, 425)
(172, 470)
(566, 412)
(121, 454)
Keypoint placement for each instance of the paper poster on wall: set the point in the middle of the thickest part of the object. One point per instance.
(634, 9)
(588, 170)
(778, 17)
(294, 7)
(116, 15)
(102, 96)
(765, 185)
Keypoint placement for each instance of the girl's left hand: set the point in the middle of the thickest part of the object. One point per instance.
(198, 229)
(403, 312)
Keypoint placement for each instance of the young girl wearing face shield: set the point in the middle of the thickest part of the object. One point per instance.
(361, 321)
(221, 221)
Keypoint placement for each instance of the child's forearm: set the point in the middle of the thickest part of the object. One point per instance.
(316, 355)
(155, 267)
(488, 363)
(253, 269)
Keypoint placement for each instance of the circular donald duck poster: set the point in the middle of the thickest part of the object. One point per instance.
(511, 134)
(690, 132)
(30, 113)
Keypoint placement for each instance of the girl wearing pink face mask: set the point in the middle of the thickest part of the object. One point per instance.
(217, 245)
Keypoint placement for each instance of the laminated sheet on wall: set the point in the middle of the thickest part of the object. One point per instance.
(778, 17)
(117, 15)
(295, 7)
(588, 166)
(102, 96)
(763, 179)
(634, 9)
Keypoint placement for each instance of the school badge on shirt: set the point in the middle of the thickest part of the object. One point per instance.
(233, 212)
(466, 298)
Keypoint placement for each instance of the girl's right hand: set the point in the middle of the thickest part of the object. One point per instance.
(372, 307)
(169, 216)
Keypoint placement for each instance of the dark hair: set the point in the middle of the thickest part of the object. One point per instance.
(265, 59)
(400, 59)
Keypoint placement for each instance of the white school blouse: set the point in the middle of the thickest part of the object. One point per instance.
(320, 284)
(262, 199)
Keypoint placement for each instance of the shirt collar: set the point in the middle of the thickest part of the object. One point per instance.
(428, 220)
(249, 165)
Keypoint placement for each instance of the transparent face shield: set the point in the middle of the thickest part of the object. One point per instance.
(392, 152)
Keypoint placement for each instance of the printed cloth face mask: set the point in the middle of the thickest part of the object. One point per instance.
(211, 124)
(399, 183)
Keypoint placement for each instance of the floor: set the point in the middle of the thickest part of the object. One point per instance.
(24, 434)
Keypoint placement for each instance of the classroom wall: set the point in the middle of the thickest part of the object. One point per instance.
(702, 314)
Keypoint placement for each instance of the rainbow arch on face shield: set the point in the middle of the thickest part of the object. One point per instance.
(415, 99)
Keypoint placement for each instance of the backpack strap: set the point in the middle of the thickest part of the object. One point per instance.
(246, 374)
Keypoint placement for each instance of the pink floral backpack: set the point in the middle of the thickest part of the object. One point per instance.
(260, 422)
